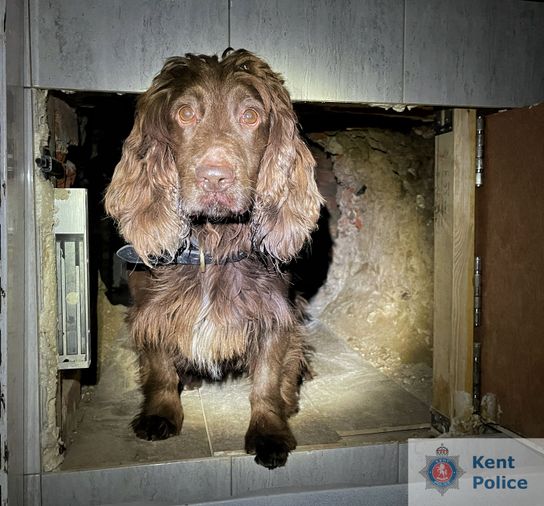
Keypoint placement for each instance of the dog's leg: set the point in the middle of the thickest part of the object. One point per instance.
(269, 436)
(161, 415)
(295, 369)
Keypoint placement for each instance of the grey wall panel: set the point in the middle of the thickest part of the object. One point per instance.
(12, 248)
(328, 50)
(32, 457)
(474, 53)
(119, 45)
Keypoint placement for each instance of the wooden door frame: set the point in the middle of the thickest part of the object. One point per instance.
(453, 321)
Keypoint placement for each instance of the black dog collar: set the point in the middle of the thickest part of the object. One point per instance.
(186, 256)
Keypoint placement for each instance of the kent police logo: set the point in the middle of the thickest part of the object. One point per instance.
(442, 471)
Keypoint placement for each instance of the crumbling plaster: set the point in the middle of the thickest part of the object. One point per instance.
(48, 362)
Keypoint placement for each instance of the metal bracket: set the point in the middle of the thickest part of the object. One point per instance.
(480, 151)
(443, 121)
(440, 422)
(477, 291)
(476, 375)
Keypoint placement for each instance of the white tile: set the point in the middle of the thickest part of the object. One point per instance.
(358, 466)
(173, 483)
(390, 495)
(403, 462)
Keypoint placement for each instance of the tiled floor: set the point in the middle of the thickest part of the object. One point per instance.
(348, 403)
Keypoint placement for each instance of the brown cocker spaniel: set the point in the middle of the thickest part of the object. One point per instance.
(216, 192)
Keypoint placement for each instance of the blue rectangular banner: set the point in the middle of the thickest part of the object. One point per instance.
(476, 471)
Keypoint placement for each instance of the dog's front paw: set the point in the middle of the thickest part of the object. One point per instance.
(153, 427)
(270, 450)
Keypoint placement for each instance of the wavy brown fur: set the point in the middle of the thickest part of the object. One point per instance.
(215, 158)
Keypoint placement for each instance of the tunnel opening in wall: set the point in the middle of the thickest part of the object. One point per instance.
(367, 276)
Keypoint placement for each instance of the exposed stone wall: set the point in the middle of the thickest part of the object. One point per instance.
(379, 289)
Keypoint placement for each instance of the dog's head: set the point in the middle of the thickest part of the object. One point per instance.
(215, 139)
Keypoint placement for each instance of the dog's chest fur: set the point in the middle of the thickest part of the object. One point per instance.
(214, 316)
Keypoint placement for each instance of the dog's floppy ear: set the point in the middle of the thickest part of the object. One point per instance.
(143, 194)
(287, 201)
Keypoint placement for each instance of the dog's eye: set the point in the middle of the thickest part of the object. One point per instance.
(250, 117)
(186, 114)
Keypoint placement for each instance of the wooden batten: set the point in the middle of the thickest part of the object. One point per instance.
(454, 267)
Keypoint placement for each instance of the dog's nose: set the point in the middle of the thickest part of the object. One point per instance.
(214, 178)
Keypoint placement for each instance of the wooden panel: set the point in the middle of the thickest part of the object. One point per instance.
(511, 243)
(328, 50)
(119, 45)
(453, 268)
(468, 53)
(443, 240)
